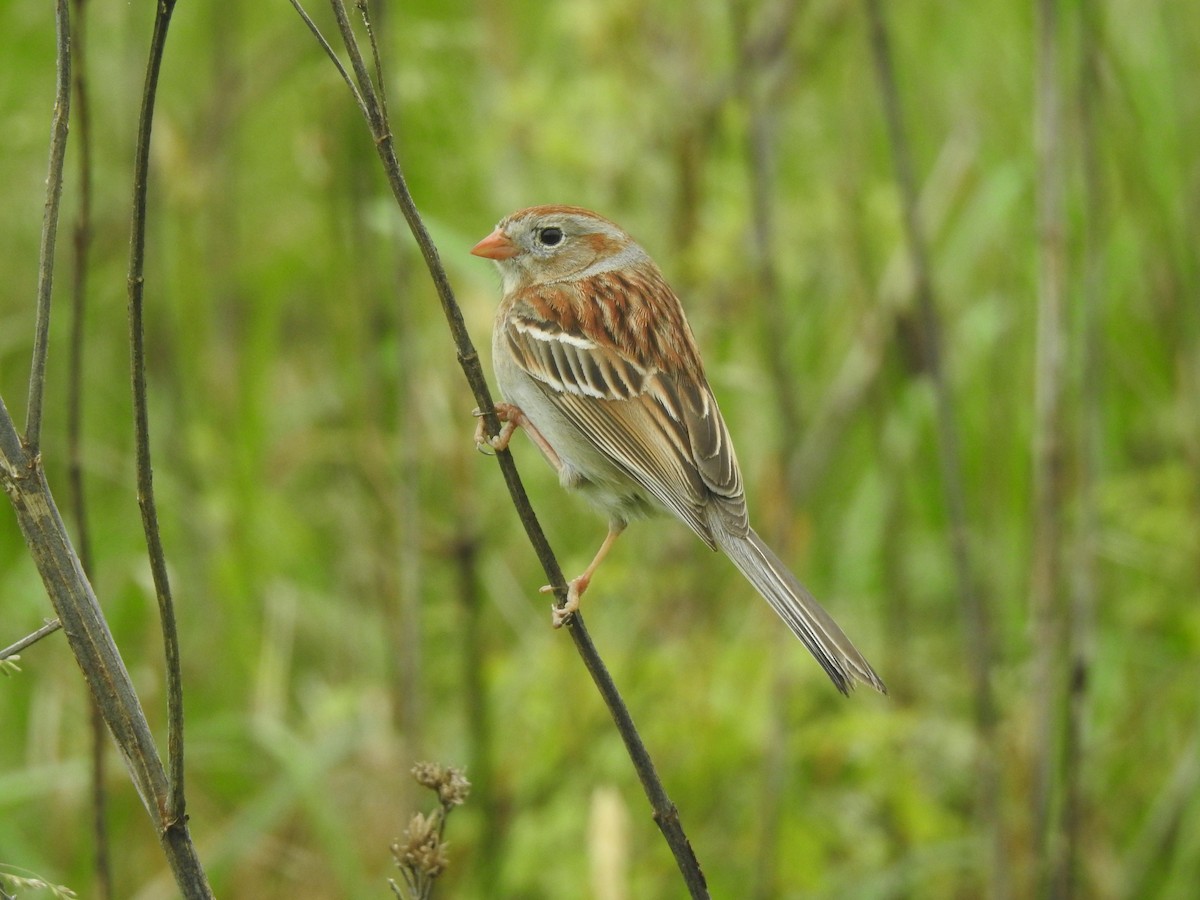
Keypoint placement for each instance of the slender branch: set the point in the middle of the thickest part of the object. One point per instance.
(82, 248)
(333, 57)
(77, 499)
(24, 480)
(975, 613)
(468, 357)
(145, 475)
(665, 813)
(30, 639)
(376, 56)
(58, 151)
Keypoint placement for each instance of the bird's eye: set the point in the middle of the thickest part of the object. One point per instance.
(550, 237)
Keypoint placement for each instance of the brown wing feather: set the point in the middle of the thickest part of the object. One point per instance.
(639, 398)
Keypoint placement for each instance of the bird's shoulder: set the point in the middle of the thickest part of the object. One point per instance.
(630, 313)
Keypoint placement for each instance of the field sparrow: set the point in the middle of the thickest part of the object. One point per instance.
(599, 366)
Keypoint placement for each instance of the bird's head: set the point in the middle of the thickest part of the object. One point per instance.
(548, 244)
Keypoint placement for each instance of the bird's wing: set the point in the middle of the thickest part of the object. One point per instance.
(642, 410)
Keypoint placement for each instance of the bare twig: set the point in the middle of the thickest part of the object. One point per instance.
(102, 858)
(82, 247)
(665, 813)
(376, 56)
(23, 479)
(30, 639)
(54, 180)
(77, 499)
(333, 57)
(975, 613)
(145, 474)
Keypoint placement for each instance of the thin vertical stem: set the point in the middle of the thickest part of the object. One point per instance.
(22, 477)
(77, 498)
(976, 616)
(145, 475)
(54, 181)
(82, 248)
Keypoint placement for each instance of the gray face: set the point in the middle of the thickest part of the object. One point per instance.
(558, 245)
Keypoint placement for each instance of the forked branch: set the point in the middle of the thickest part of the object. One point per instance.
(22, 478)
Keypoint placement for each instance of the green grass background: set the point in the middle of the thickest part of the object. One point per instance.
(317, 480)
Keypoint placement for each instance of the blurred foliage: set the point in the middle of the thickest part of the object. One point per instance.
(316, 476)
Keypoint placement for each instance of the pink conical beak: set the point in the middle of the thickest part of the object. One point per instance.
(496, 246)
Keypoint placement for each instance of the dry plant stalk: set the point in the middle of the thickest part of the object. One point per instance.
(422, 854)
(369, 97)
(22, 477)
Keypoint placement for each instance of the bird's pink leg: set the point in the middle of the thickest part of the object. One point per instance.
(511, 418)
(576, 586)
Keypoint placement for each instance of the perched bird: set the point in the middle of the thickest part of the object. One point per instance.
(599, 366)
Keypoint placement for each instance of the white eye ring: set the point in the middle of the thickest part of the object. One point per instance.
(550, 236)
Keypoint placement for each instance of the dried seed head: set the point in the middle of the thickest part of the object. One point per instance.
(421, 850)
(450, 783)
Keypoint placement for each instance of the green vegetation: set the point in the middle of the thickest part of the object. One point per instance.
(322, 504)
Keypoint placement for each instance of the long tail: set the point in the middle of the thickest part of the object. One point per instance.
(796, 606)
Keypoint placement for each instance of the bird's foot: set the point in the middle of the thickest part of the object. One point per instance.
(510, 418)
(559, 615)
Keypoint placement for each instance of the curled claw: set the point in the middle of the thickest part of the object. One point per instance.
(484, 443)
(560, 615)
(510, 417)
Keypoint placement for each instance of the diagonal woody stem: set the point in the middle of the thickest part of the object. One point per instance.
(369, 97)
